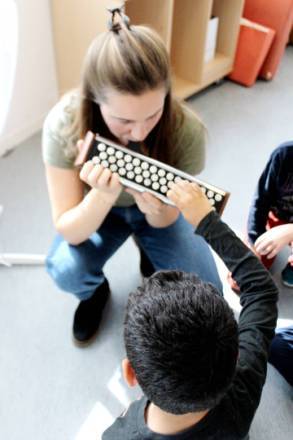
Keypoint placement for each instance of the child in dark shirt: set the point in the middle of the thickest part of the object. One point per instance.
(272, 207)
(201, 373)
(281, 353)
(271, 212)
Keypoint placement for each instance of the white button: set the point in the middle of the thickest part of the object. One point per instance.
(218, 197)
(161, 172)
(163, 181)
(130, 175)
(113, 168)
(177, 179)
(101, 147)
(147, 182)
(122, 171)
(127, 158)
(153, 169)
(128, 166)
(136, 161)
(154, 177)
(155, 186)
(120, 163)
(138, 179)
(164, 189)
(110, 150)
(103, 155)
(210, 193)
(144, 165)
(146, 173)
(112, 159)
(170, 176)
(119, 154)
(137, 170)
(105, 163)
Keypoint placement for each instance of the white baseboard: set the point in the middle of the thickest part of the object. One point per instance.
(13, 139)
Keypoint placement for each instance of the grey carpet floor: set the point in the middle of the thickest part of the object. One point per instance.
(48, 387)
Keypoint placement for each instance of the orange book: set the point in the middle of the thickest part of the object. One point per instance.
(254, 42)
(277, 15)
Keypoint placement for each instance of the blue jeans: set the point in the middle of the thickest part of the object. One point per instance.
(79, 269)
(281, 353)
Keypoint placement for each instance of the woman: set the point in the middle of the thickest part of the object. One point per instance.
(125, 95)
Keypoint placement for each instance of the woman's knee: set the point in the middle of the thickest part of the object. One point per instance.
(70, 266)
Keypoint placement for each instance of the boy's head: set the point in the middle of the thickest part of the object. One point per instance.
(181, 341)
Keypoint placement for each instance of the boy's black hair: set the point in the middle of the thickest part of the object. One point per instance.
(181, 340)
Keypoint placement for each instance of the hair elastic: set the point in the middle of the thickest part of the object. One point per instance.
(116, 27)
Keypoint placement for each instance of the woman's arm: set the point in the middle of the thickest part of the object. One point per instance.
(76, 216)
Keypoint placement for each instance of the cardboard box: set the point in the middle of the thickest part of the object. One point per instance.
(211, 41)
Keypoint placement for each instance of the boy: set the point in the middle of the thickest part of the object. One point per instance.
(199, 380)
(272, 207)
(270, 219)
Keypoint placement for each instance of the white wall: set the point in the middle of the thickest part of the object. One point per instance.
(35, 86)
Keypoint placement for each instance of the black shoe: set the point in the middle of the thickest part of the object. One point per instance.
(146, 266)
(88, 315)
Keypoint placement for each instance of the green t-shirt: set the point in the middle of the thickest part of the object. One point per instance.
(188, 140)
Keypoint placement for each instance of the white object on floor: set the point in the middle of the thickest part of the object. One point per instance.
(96, 423)
(9, 259)
(12, 259)
(115, 385)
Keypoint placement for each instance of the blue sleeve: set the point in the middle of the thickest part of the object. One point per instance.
(264, 197)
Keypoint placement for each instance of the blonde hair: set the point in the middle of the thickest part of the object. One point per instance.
(130, 60)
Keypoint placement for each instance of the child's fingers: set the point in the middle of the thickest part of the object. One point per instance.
(272, 254)
(175, 191)
(173, 195)
(264, 247)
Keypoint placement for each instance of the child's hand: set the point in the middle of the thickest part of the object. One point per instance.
(101, 179)
(272, 241)
(190, 200)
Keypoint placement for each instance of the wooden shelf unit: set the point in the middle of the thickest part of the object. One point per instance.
(182, 24)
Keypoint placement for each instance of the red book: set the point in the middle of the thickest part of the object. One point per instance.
(277, 15)
(254, 42)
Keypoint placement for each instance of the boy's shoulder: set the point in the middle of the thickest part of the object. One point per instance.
(126, 426)
(222, 422)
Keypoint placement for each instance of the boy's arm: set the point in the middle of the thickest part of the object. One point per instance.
(258, 291)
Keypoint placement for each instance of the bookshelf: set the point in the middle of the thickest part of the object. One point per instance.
(182, 24)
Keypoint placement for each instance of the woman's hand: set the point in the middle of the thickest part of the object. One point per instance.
(100, 178)
(146, 202)
(157, 213)
(190, 200)
(272, 241)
